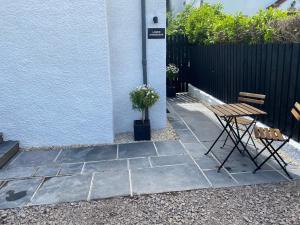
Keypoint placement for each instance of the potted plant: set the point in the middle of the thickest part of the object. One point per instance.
(143, 97)
(172, 74)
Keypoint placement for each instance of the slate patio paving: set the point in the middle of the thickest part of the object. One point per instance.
(86, 173)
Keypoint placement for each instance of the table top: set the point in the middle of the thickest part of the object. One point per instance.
(235, 110)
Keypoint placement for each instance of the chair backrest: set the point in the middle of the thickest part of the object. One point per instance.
(296, 111)
(246, 97)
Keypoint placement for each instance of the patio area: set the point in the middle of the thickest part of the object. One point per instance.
(48, 177)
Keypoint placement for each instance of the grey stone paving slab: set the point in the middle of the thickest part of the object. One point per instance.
(219, 179)
(195, 115)
(86, 154)
(105, 166)
(243, 164)
(170, 160)
(221, 153)
(34, 158)
(186, 136)
(109, 184)
(17, 172)
(207, 163)
(208, 131)
(229, 145)
(197, 150)
(177, 125)
(169, 148)
(63, 189)
(259, 177)
(17, 193)
(47, 171)
(169, 178)
(70, 169)
(237, 166)
(139, 163)
(135, 150)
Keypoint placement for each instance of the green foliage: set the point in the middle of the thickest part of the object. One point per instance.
(143, 97)
(209, 24)
(260, 25)
(172, 72)
(200, 24)
(177, 24)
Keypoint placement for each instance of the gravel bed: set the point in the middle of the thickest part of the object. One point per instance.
(156, 135)
(261, 204)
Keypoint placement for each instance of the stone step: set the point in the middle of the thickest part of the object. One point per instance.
(7, 150)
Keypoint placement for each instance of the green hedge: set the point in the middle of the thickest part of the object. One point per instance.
(209, 24)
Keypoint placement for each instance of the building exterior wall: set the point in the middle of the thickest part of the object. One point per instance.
(125, 32)
(156, 55)
(67, 68)
(55, 77)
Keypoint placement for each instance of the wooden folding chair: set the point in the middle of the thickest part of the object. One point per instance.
(269, 135)
(242, 122)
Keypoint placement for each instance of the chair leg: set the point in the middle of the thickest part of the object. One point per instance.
(266, 147)
(277, 154)
(273, 153)
(250, 137)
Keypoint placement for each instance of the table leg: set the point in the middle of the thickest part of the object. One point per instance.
(224, 129)
(239, 138)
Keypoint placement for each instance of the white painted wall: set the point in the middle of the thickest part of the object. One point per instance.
(55, 78)
(156, 55)
(67, 70)
(124, 22)
(125, 32)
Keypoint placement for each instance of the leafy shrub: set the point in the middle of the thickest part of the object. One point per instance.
(143, 97)
(260, 25)
(287, 30)
(172, 72)
(209, 24)
(176, 25)
(201, 22)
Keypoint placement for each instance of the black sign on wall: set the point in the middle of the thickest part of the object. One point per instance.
(156, 33)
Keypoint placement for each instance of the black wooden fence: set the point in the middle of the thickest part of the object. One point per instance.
(178, 52)
(272, 69)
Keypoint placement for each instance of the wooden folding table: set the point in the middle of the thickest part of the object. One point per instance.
(227, 116)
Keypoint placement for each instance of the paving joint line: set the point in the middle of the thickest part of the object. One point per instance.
(150, 162)
(224, 168)
(81, 172)
(34, 193)
(57, 155)
(209, 182)
(129, 177)
(117, 152)
(177, 164)
(91, 186)
(155, 148)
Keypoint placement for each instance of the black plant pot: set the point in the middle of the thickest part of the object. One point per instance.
(142, 131)
(171, 91)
